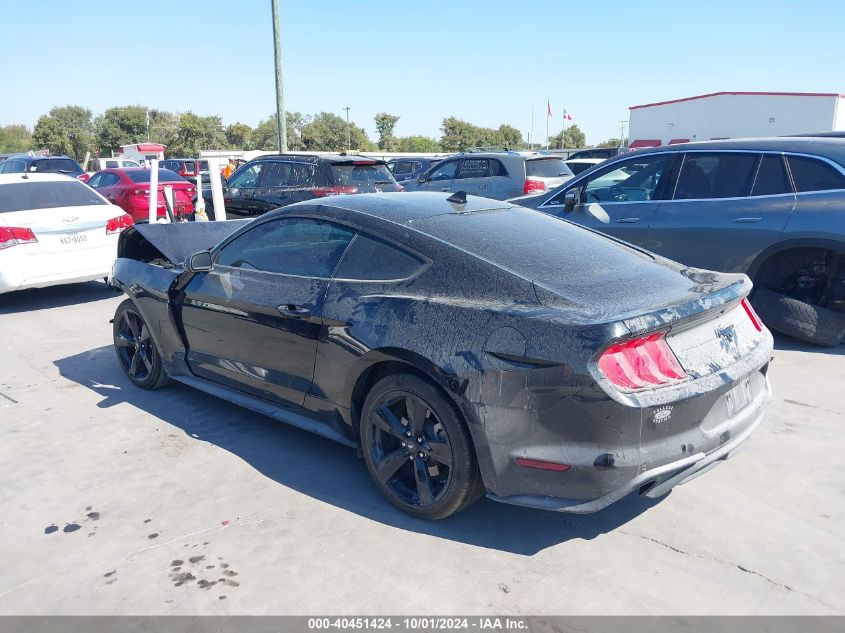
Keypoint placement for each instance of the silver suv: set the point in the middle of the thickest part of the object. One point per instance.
(772, 208)
(498, 174)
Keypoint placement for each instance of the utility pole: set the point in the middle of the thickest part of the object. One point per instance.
(281, 123)
(622, 133)
(148, 125)
(348, 129)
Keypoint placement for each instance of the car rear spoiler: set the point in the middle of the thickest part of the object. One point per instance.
(173, 242)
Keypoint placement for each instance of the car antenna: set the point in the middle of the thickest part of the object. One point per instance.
(459, 197)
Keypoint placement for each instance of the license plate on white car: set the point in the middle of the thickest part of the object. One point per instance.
(73, 238)
(739, 397)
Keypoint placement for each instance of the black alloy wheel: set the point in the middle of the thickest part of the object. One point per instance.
(135, 348)
(417, 449)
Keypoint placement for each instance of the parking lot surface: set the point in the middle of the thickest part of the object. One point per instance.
(122, 501)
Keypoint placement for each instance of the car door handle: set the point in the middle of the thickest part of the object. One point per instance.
(294, 310)
(627, 220)
(446, 188)
(747, 220)
(483, 187)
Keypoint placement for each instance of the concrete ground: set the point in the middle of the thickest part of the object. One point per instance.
(114, 500)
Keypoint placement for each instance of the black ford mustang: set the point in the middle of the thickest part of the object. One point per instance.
(466, 345)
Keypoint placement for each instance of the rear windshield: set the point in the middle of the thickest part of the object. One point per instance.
(546, 168)
(21, 196)
(56, 166)
(164, 175)
(349, 174)
(204, 165)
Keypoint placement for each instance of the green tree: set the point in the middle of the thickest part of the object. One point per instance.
(328, 132)
(574, 138)
(510, 137)
(417, 144)
(196, 133)
(49, 134)
(265, 136)
(384, 126)
(66, 130)
(15, 138)
(459, 135)
(611, 142)
(239, 136)
(121, 126)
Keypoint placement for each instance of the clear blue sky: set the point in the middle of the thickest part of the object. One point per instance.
(486, 61)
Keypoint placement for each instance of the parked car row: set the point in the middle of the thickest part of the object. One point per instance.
(769, 208)
(274, 181)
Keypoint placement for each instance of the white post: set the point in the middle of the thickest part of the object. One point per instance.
(216, 190)
(199, 207)
(168, 195)
(153, 190)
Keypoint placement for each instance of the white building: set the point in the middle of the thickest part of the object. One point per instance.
(734, 115)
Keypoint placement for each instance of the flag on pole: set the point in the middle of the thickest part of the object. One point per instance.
(549, 108)
(567, 116)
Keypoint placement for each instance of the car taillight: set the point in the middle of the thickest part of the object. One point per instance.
(758, 324)
(118, 224)
(13, 235)
(322, 192)
(532, 186)
(640, 363)
(84, 177)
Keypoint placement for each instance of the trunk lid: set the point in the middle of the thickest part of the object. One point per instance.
(65, 228)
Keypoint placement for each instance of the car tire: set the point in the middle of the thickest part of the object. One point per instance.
(135, 348)
(403, 418)
(798, 319)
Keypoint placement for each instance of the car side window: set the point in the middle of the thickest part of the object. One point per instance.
(372, 259)
(282, 174)
(246, 177)
(633, 180)
(497, 168)
(290, 246)
(811, 174)
(715, 175)
(772, 178)
(94, 181)
(109, 180)
(474, 168)
(446, 171)
(403, 167)
(13, 167)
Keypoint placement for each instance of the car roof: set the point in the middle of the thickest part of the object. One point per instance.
(830, 147)
(332, 158)
(400, 207)
(34, 158)
(505, 152)
(42, 176)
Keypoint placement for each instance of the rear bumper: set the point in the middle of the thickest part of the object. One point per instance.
(658, 481)
(20, 271)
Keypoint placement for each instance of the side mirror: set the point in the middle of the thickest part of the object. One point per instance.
(422, 179)
(199, 262)
(570, 199)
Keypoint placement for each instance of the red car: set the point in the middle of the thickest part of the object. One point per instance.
(129, 188)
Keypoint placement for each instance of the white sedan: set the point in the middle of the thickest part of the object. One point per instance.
(55, 230)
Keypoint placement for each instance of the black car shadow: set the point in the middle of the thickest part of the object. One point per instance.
(331, 472)
(54, 297)
(785, 343)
